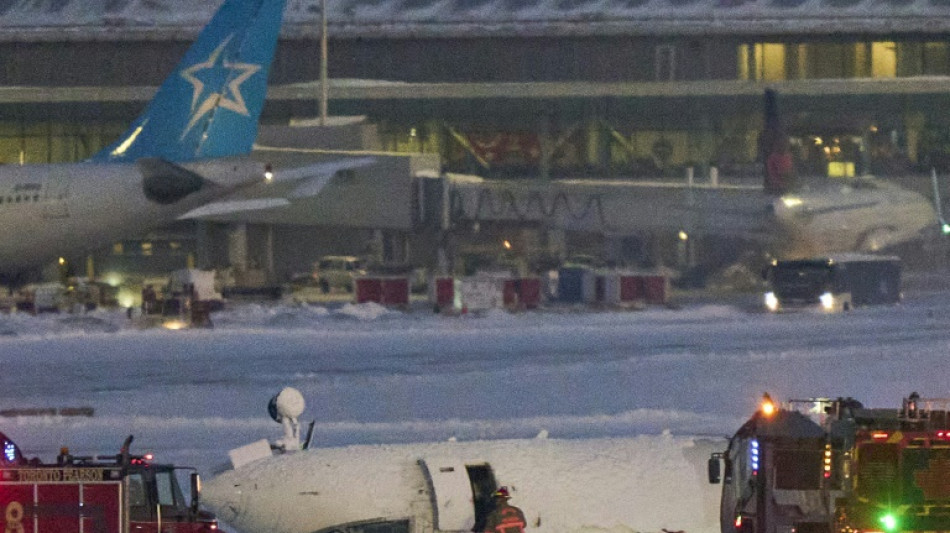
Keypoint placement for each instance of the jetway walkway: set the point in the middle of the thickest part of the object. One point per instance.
(613, 207)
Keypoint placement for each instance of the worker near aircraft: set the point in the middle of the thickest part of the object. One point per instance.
(505, 518)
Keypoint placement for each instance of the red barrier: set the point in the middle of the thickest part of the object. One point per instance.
(395, 291)
(531, 292)
(522, 293)
(655, 289)
(631, 288)
(369, 290)
(509, 293)
(444, 295)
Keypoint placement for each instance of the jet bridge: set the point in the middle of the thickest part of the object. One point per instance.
(612, 207)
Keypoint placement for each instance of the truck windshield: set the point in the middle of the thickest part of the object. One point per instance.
(800, 279)
(169, 492)
(798, 469)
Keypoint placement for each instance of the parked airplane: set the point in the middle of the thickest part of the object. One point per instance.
(791, 216)
(190, 145)
(787, 217)
(645, 483)
(825, 216)
(860, 215)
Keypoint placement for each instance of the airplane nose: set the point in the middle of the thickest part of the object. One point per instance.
(224, 498)
(776, 213)
(789, 210)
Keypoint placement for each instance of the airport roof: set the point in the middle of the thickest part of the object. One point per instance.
(347, 89)
(55, 20)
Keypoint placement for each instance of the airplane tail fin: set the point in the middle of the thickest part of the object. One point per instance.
(210, 104)
(774, 149)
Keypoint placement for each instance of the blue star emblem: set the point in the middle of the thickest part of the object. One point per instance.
(214, 73)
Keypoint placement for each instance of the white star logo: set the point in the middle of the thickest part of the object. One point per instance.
(219, 74)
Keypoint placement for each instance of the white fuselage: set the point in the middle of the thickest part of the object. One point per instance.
(860, 216)
(644, 483)
(48, 211)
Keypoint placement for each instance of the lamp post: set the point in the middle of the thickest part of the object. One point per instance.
(324, 89)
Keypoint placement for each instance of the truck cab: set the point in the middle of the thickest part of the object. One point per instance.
(117, 493)
(774, 481)
(823, 466)
(157, 503)
(900, 460)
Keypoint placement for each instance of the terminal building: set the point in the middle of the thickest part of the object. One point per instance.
(508, 90)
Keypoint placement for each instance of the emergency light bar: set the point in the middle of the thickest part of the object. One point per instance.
(754, 456)
(827, 461)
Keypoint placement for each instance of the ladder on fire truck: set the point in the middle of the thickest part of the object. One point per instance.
(925, 412)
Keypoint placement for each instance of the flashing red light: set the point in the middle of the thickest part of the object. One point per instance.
(879, 435)
(827, 474)
(738, 521)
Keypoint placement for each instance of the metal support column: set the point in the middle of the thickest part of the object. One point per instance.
(202, 244)
(269, 252)
(237, 247)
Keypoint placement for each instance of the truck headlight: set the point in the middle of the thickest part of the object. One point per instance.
(771, 301)
(827, 301)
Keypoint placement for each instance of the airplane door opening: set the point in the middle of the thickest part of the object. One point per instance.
(451, 494)
(483, 485)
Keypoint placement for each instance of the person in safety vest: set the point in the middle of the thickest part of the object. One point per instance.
(504, 518)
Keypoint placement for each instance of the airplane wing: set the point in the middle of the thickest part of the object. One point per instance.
(229, 207)
(287, 183)
(326, 169)
(312, 178)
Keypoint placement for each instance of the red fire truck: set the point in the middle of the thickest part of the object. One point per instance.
(833, 466)
(120, 493)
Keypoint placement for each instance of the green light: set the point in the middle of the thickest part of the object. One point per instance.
(945, 227)
(889, 521)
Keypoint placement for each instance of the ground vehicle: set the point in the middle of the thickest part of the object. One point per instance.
(338, 271)
(833, 283)
(822, 466)
(109, 494)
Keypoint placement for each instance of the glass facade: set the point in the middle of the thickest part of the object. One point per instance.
(630, 136)
(52, 141)
(774, 61)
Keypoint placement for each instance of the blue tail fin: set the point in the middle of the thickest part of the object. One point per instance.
(210, 105)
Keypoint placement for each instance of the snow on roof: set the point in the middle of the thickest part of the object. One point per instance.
(165, 19)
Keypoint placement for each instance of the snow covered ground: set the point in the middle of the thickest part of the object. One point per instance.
(372, 375)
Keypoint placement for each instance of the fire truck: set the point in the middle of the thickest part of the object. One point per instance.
(120, 493)
(833, 466)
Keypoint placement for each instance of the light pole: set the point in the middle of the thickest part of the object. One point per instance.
(324, 89)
